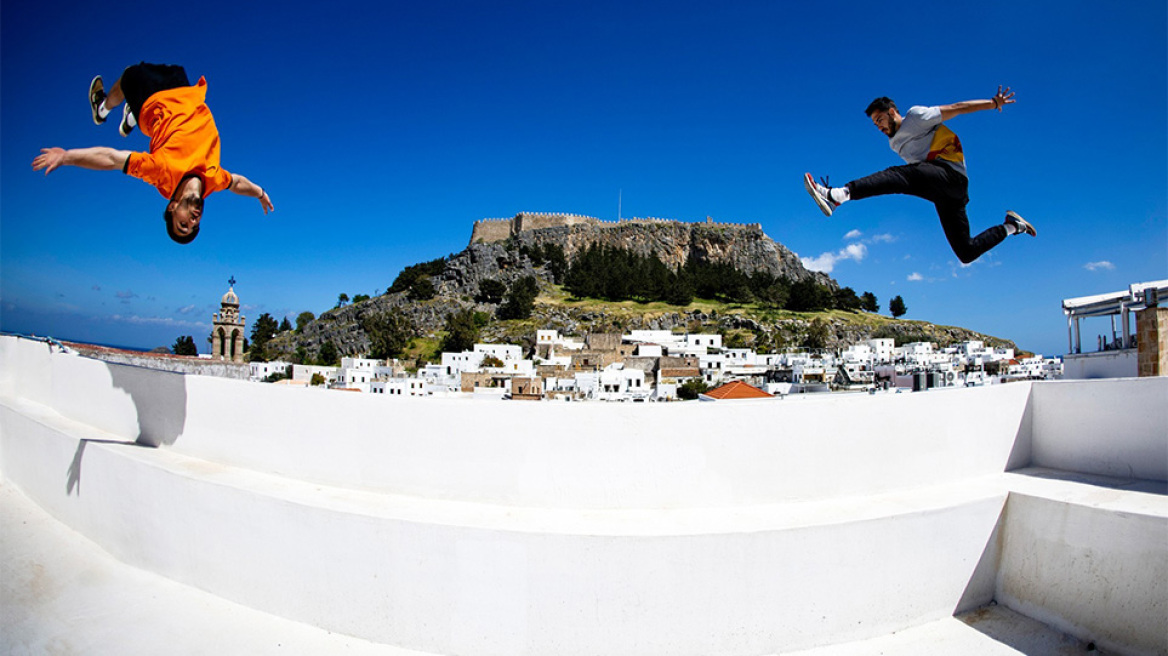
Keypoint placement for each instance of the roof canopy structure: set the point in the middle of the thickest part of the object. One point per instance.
(1137, 297)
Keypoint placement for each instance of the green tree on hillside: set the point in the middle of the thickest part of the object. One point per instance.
(491, 291)
(818, 335)
(409, 275)
(770, 291)
(422, 289)
(809, 296)
(679, 292)
(520, 300)
(389, 333)
(897, 307)
(557, 262)
(462, 331)
(868, 302)
(285, 325)
(328, 356)
(303, 319)
(845, 299)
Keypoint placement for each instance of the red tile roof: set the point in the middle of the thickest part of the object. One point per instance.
(737, 390)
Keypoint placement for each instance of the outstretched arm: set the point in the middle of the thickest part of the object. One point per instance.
(245, 187)
(1000, 99)
(98, 158)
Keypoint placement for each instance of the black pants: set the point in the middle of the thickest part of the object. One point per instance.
(143, 80)
(946, 189)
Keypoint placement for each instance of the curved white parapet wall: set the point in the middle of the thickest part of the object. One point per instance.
(582, 455)
(462, 527)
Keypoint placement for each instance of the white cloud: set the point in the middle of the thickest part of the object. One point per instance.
(854, 234)
(1101, 265)
(188, 309)
(882, 239)
(915, 277)
(826, 262)
(156, 321)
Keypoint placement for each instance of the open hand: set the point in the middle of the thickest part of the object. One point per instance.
(1003, 98)
(266, 202)
(49, 160)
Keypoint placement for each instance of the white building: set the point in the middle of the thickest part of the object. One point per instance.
(618, 383)
(304, 373)
(651, 337)
(261, 370)
(364, 364)
(454, 364)
(504, 352)
(646, 350)
(354, 379)
(401, 387)
(706, 341)
(555, 339)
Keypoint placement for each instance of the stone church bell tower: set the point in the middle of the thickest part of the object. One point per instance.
(227, 333)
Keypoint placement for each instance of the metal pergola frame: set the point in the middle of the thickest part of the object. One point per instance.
(1138, 296)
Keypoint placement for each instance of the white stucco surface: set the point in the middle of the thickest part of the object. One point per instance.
(457, 527)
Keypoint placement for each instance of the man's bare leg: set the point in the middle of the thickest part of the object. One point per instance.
(114, 96)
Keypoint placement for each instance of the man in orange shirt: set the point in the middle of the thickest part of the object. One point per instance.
(183, 161)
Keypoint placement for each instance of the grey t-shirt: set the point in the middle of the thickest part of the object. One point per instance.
(923, 137)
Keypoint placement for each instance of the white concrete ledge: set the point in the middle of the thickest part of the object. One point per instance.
(593, 528)
(347, 562)
(1114, 427)
(1088, 559)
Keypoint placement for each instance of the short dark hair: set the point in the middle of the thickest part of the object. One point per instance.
(881, 104)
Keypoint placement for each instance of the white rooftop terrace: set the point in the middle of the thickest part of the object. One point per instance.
(148, 511)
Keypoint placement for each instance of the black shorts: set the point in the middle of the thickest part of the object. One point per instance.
(143, 80)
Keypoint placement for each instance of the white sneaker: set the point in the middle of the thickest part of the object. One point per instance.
(1020, 224)
(820, 194)
(128, 121)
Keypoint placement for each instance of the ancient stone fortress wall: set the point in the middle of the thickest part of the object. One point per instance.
(492, 230)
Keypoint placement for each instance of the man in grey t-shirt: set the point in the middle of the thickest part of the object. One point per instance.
(934, 170)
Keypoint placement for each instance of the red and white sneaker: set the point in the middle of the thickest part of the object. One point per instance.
(820, 193)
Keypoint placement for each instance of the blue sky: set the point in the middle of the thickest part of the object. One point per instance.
(383, 130)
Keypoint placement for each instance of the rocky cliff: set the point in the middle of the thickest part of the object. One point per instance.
(744, 246)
